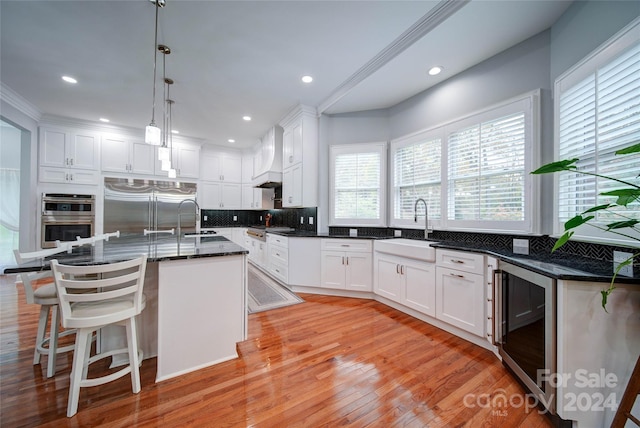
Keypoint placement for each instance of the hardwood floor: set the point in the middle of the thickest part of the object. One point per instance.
(326, 362)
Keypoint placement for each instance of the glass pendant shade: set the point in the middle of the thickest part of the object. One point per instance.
(172, 173)
(166, 165)
(153, 135)
(164, 153)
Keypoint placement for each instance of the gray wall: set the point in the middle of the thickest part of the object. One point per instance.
(532, 64)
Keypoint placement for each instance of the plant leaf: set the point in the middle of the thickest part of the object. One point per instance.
(625, 200)
(628, 150)
(576, 221)
(605, 294)
(598, 208)
(622, 192)
(622, 224)
(562, 165)
(562, 240)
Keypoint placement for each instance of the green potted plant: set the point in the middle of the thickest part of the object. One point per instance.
(624, 196)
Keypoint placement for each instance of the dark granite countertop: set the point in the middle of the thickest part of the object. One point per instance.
(308, 234)
(156, 247)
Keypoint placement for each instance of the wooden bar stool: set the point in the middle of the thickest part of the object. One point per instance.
(111, 294)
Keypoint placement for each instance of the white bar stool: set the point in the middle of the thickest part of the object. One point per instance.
(45, 296)
(115, 297)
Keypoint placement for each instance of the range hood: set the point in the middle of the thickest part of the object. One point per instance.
(268, 160)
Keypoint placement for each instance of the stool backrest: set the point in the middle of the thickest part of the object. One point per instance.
(121, 282)
(29, 277)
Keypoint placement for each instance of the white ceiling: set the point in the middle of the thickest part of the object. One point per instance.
(235, 58)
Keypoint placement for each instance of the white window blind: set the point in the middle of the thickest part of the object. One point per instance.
(358, 196)
(486, 171)
(416, 174)
(595, 117)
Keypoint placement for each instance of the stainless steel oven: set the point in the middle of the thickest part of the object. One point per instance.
(525, 305)
(65, 217)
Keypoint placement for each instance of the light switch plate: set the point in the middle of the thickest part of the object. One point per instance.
(353, 232)
(397, 233)
(619, 257)
(301, 220)
(521, 246)
(310, 220)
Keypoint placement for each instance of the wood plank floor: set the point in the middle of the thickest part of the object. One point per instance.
(323, 363)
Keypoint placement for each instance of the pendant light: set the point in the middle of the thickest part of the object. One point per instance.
(163, 152)
(153, 134)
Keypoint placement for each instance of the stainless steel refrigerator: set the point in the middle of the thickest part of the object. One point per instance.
(133, 205)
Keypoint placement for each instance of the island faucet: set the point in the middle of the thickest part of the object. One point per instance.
(197, 214)
(426, 216)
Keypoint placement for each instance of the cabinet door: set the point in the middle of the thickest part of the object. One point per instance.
(210, 167)
(460, 299)
(232, 168)
(82, 176)
(209, 196)
(333, 269)
(292, 187)
(115, 154)
(188, 161)
(359, 271)
(231, 197)
(247, 197)
(287, 148)
(292, 145)
(53, 145)
(388, 280)
(143, 158)
(420, 287)
(83, 150)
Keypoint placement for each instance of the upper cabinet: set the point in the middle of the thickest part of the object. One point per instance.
(221, 166)
(73, 149)
(300, 158)
(123, 155)
(185, 159)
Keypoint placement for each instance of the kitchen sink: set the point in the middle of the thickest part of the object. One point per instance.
(412, 248)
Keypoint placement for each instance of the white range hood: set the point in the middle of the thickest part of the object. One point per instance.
(268, 160)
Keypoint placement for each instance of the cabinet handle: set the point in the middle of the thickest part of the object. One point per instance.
(290, 199)
(66, 177)
(71, 161)
(397, 268)
(290, 158)
(401, 269)
(70, 177)
(457, 261)
(489, 300)
(489, 318)
(347, 261)
(342, 259)
(456, 275)
(345, 245)
(489, 334)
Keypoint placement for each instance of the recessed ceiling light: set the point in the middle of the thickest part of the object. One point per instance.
(175, 131)
(247, 118)
(307, 79)
(69, 79)
(435, 70)
(231, 140)
(103, 119)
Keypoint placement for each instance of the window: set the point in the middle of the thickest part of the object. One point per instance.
(357, 185)
(598, 112)
(489, 157)
(416, 172)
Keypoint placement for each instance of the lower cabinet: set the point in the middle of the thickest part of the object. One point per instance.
(460, 292)
(406, 281)
(346, 264)
(278, 256)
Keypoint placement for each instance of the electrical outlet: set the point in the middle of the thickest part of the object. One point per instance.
(301, 220)
(353, 232)
(260, 218)
(521, 246)
(620, 257)
(235, 218)
(397, 233)
(310, 220)
(205, 218)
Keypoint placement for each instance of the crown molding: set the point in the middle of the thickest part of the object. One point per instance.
(432, 19)
(12, 98)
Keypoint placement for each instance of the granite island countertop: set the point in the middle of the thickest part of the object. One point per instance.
(157, 248)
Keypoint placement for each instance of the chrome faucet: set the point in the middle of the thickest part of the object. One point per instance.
(197, 213)
(426, 216)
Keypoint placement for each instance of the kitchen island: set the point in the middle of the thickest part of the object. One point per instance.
(195, 293)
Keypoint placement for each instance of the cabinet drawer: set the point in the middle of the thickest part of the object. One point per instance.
(279, 254)
(347, 245)
(460, 260)
(282, 241)
(279, 270)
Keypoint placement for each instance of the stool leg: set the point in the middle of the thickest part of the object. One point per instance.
(42, 329)
(53, 341)
(132, 342)
(79, 361)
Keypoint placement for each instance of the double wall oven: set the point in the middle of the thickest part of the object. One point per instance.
(65, 217)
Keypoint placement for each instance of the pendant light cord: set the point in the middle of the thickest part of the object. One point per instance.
(155, 58)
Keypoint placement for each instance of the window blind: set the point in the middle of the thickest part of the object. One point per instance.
(598, 116)
(417, 175)
(486, 170)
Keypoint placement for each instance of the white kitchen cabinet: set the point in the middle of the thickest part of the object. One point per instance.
(300, 158)
(257, 251)
(67, 176)
(292, 193)
(70, 149)
(185, 160)
(346, 264)
(278, 256)
(216, 195)
(221, 166)
(492, 264)
(460, 290)
(123, 155)
(406, 281)
(304, 262)
(256, 199)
